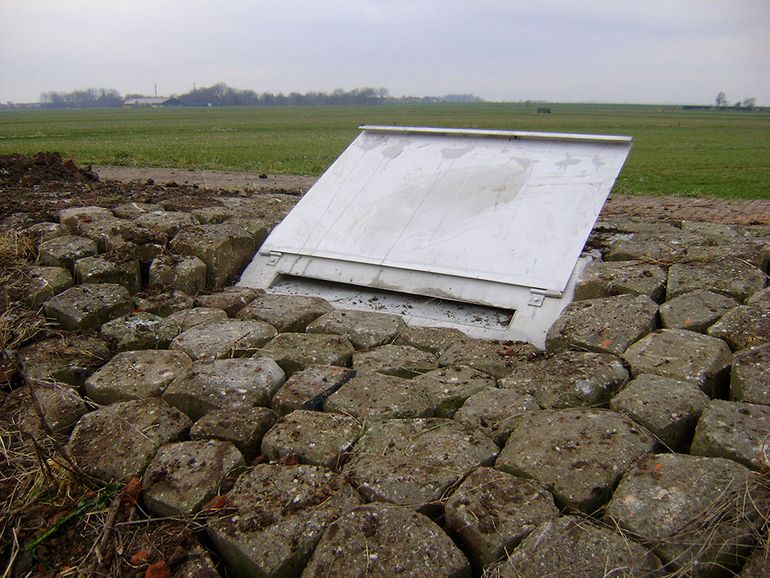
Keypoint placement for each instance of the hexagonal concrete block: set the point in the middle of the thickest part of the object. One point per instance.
(697, 513)
(102, 269)
(576, 547)
(136, 375)
(186, 274)
(579, 454)
(297, 351)
(434, 340)
(69, 359)
(364, 329)
(413, 462)
(491, 512)
(64, 251)
(231, 299)
(188, 318)
(139, 331)
(224, 384)
(743, 327)
(449, 387)
(684, 355)
(244, 427)
(377, 396)
(117, 442)
(309, 388)
(397, 541)
(73, 217)
(569, 379)
(226, 249)
(496, 358)
(608, 278)
(224, 339)
(287, 313)
(732, 277)
(668, 408)
(607, 325)
(89, 306)
(167, 222)
(736, 431)
(312, 437)
(495, 412)
(45, 282)
(695, 311)
(183, 476)
(750, 375)
(279, 514)
(399, 360)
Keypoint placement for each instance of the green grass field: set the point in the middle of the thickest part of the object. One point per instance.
(676, 152)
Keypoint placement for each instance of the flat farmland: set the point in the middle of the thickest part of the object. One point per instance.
(695, 153)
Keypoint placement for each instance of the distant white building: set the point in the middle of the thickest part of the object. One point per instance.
(151, 102)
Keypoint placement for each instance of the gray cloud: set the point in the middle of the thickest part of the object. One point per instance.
(601, 50)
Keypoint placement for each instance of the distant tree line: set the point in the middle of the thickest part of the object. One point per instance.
(221, 94)
(722, 102)
(88, 98)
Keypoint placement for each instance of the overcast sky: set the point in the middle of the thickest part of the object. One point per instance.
(646, 51)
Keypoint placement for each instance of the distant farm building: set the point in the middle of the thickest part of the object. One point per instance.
(543, 110)
(151, 102)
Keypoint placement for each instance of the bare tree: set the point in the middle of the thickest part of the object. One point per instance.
(721, 100)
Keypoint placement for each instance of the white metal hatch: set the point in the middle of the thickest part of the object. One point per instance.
(493, 218)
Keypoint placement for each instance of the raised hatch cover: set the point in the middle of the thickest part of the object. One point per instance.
(451, 213)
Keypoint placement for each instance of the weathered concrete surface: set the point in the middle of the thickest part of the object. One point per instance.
(224, 384)
(435, 340)
(668, 408)
(609, 324)
(186, 274)
(244, 427)
(377, 396)
(495, 412)
(608, 278)
(576, 547)
(413, 462)
(118, 441)
(224, 339)
(73, 217)
(760, 298)
(579, 454)
(743, 327)
(309, 388)
(188, 318)
(212, 215)
(231, 299)
(133, 210)
(136, 375)
(491, 511)
(183, 476)
(735, 431)
(280, 514)
(45, 231)
(364, 329)
(684, 355)
(659, 499)
(750, 375)
(168, 222)
(297, 351)
(695, 311)
(55, 408)
(399, 360)
(70, 359)
(109, 233)
(651, 247)
(88, 306)
(496, 358)
(449, 387)
(45, 282)
(312, 437)
(287, 313)
(386, 540)
(226, 249)
(64, 251)
(164, 304)
(732, 277)
(139, 331)
(569, 379)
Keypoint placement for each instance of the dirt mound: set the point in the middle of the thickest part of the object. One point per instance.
(44, 166)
